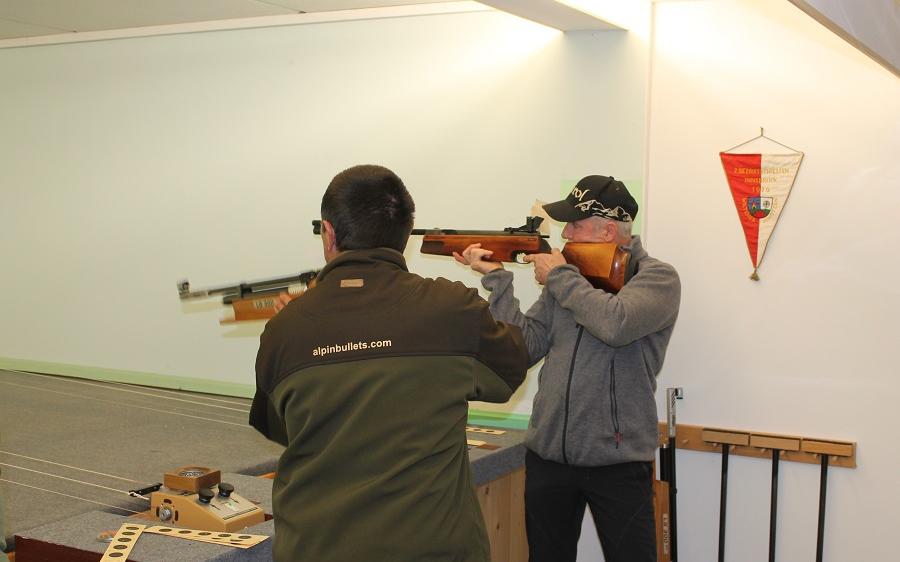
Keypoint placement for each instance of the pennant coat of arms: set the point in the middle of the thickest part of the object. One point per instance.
(760, 185)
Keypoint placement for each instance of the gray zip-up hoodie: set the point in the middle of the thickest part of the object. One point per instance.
(602, 352)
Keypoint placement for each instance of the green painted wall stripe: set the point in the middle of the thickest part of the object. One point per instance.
(498, 419)
(207, 386)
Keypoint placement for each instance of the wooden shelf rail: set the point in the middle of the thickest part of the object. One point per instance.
(757, 444)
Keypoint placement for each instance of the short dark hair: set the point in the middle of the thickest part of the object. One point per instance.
(369, 207)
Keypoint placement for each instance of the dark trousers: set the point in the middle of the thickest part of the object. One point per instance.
(621, 500)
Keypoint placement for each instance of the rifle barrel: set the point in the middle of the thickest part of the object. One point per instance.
(530, 228)
(455, 232)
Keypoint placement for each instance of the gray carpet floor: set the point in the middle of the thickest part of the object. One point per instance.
(70, 446)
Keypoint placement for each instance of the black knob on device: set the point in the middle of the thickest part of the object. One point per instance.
(225, 489)
(205, 495)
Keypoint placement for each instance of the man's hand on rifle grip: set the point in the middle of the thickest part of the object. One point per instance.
(544, 263)
(282, 300)
(474, 256)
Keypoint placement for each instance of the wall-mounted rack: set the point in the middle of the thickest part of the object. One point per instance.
(758, 444)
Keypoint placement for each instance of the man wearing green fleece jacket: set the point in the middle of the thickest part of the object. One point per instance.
(593, 429)
(366, 380)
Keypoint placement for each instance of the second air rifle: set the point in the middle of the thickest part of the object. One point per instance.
(605, 266)
(253, 300)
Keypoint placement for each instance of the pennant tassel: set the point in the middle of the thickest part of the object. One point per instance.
(754, 276)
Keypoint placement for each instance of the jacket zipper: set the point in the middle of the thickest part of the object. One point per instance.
(613, 401)
(568, 392)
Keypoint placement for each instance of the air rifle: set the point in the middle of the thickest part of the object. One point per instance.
(606, 266)
(253, 300)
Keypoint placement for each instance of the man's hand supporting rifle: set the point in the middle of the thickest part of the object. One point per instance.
(605, 265)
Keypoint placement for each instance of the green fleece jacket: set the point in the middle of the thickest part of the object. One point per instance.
(366, 380)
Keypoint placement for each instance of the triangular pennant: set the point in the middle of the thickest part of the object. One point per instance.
(760, 185)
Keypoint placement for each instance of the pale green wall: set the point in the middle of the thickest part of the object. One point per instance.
(130, 164)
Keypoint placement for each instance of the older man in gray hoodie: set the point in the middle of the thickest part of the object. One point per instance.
(593, 430)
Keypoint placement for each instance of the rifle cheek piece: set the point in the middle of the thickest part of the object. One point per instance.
(606, 266)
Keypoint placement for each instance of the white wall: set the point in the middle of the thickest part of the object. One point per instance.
(130, 164)
(810, 349)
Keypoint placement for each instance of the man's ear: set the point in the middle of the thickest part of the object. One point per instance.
(609, 232)
(329, 240)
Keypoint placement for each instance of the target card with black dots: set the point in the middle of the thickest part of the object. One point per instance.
(486, 430)
(238, 540)
(123, 542)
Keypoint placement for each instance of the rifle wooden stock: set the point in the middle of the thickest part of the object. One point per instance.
(255, 308)
(605, 266)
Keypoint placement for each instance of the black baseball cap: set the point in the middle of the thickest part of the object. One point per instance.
(595, 196)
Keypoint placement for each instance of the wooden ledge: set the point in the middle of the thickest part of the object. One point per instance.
(758, 444)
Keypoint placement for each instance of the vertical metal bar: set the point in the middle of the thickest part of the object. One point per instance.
(673, 504)
(823, 483)
(672, 394)
(773, 515)
(723, 499)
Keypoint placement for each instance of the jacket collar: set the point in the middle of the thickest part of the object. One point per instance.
(366, 258)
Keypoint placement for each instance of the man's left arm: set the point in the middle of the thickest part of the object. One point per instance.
(264, 417)
(263, 414)
(504, 356)
(648, 303)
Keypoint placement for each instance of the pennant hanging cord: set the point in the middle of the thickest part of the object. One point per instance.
(762, 136)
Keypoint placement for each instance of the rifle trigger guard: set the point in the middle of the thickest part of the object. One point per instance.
(519, 257)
